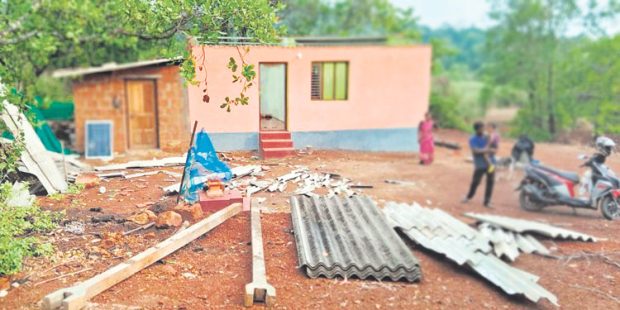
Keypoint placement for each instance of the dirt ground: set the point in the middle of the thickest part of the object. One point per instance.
(211, 271)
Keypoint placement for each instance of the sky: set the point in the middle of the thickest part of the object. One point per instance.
(456, 13)
(468, 13)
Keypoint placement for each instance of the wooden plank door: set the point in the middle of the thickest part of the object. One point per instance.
(141, 114)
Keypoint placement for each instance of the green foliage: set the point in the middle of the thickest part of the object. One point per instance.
(444, 105)
(522, 125)
(96, 32)
(445, 111)
(559, 79)
(590, 79)
(17, 224)
(467, 44)
(10, 154)
(349, 18)
(75, 189)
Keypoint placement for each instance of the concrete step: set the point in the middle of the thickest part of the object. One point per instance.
(277, 152)
(275, 135)
(276, 143)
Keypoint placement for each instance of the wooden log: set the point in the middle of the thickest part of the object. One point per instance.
(448, 145)
(75, 297)
(258, 290)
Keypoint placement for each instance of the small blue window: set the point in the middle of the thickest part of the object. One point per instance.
(98, 139)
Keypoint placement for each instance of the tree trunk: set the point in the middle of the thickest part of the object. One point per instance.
(550, 104)
(536, 120)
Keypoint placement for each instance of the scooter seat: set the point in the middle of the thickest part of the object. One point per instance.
(571, 176)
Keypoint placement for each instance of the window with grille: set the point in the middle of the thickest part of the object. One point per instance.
(330, 80)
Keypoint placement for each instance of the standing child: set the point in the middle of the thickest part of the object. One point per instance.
(493, 144)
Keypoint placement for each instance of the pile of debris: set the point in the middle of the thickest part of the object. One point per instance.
(511, 236)
(524, 226)
(441, 233)
(305, 181)
(76, 297)
(481, 250)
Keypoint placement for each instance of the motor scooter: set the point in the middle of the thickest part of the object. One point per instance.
(545, 186)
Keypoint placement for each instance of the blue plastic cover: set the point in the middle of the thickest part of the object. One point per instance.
(202, 165)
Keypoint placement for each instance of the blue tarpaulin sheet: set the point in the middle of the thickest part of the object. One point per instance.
(202, 165)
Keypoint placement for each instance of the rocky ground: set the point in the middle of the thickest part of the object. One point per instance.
(211, 271)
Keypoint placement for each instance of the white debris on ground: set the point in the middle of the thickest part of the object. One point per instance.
(74, 227)
(19, 196)
(305, 181)
(164, 162)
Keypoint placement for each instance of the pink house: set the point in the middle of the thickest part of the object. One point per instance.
(353, 94)
(355, 97)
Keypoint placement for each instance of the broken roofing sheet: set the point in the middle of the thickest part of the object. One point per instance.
(349, 237)
(508, 244)
(440, 232)
(524, 226)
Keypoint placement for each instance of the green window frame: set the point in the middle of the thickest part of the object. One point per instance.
(330, 80)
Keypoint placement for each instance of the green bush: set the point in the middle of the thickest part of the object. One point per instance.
(444, 109)
(522, 124)
(17, 226)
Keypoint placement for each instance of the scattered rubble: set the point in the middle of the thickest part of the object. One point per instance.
(525, 226)
(75, 297)
(143, 217)
(439, 232)
(398, 182)
(35, 158)
(169, 219)
(102, 218)
(196, 212)
(508, 244)
(154, 163)
(109, 175)
(89, 180)
(74, 227)
(19, 196)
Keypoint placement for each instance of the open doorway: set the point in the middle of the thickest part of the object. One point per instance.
(272, 96)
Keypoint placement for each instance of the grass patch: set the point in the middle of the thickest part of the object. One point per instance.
(20, 220)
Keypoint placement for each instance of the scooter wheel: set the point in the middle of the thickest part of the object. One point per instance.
(610, 208)
(526, 203)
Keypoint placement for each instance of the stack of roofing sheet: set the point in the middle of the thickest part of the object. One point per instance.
(525, 226)
(442, 233)
(508, 244)
(348, 237)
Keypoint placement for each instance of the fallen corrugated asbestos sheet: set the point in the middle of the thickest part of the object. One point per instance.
(349, 237)
(507, 243)
(524, 226)
(440, 232)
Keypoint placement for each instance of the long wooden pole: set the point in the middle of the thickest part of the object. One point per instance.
(258, 290)
(191, 142)
(75, 297)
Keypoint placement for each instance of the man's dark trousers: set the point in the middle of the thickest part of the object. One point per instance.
(478, 173)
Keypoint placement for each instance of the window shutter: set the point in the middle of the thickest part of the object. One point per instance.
(315, 87)
(328, 81)
(341, 81)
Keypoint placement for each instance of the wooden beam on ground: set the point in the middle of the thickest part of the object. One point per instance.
(75, 297)
(258, 290)
(35, 157)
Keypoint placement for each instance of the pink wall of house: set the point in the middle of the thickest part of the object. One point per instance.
(389, 87)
